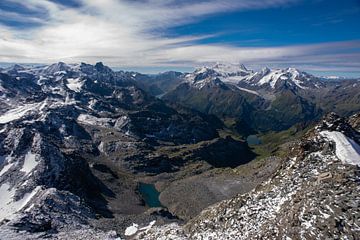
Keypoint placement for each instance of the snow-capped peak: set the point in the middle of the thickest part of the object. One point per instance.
(219, 72)
(223, 70)
(229, 68)
(17, 67)
(57, 68)
(238, 73)
(292, 75)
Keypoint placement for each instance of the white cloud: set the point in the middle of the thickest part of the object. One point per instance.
(129, 33)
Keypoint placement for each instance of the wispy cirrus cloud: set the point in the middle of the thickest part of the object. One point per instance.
(132, 33)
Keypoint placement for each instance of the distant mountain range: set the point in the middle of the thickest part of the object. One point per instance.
(264, 100)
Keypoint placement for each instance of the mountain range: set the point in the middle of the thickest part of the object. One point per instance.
(264, 100)
(79, 142)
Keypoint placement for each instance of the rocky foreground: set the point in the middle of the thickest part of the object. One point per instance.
(313, 195)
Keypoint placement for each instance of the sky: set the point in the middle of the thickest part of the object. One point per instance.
(319, 36)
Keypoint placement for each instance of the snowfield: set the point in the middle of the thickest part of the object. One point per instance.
(18, 113)
(92, 120)
(30, 162)
(134, 228)
(7, 204)
(74, 84)
(347, 150)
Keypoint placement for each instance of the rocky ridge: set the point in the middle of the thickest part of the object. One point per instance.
(313, 195)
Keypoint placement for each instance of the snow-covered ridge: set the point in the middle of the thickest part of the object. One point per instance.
(346, 149)
(230, 69)
(238, 73)
(19, 112)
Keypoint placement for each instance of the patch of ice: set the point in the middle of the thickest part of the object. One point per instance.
(346, 149)
(30, 162)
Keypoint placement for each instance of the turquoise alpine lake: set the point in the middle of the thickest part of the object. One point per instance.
(253, 140)
(149, 194)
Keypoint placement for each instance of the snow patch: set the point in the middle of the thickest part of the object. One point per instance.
(92, 120)
(134, 228)
(148, 227)
(271, 78)
(129, 231)
(29, 163)
(74, 84)
(18, 113)
(248, 90)
(347, 150)
(7, 204)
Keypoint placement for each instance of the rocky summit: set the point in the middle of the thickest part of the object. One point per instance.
(313, 195)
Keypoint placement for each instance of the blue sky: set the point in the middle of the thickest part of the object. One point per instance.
(322, 37)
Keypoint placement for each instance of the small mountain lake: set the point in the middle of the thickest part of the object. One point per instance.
(149, 194)
(253, 140)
